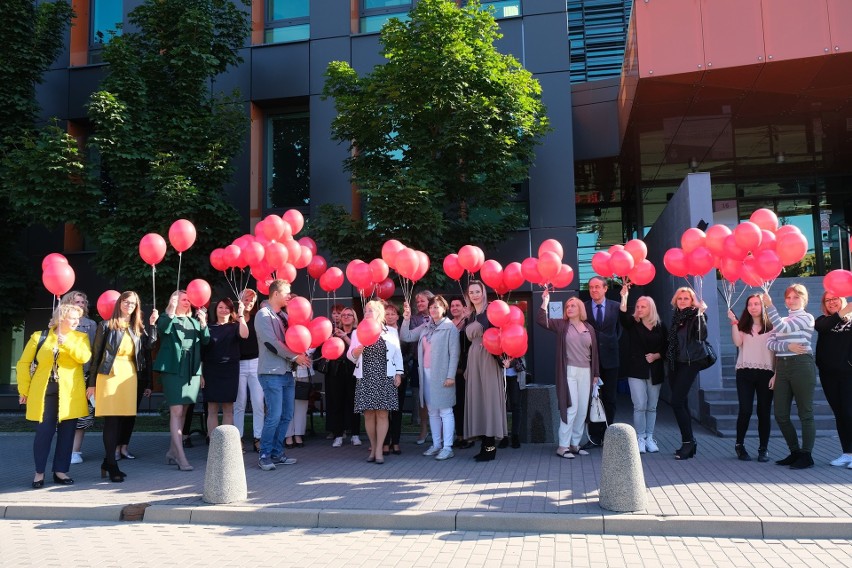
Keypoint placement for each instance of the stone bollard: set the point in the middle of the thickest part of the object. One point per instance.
(225, 478)
(541, 413)
(622, 479)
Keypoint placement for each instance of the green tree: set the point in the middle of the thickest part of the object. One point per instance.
(164, 141)
(33, 163)
(440, 135)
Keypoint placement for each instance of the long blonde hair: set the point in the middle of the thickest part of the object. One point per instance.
(653, 314)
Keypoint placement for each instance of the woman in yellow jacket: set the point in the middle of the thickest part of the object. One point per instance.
(55, 395)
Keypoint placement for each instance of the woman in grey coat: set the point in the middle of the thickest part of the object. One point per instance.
(438, 353)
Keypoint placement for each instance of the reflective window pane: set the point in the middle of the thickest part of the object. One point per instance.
(287, 161)
(105, 15)
(287, 9)
(287, 33)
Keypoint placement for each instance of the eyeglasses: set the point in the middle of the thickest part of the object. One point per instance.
(128, 303)
(347, 315)
(827, 300)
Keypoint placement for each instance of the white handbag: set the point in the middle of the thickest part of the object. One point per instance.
(596, 410)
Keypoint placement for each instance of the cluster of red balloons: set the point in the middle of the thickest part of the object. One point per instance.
(305, 331)
(56, 274)
(839, 283)
(408, 263)
(371, 277)
(755, 251)
(509, 334)
(628, 261)
(272, 251)
(152, 247)
(546, 269)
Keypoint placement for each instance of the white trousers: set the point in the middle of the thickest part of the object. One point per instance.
(579, 381)
(300, 419)
(248, 379)
(442, 421)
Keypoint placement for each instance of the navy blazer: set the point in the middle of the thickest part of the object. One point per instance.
(608, 334)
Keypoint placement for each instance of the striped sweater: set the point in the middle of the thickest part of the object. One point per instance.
(797, 327)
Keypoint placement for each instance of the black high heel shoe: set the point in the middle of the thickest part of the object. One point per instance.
(742, 454)
(488, 452)
(62, 480)
(686, 451)
(115, 475)
(38, 484)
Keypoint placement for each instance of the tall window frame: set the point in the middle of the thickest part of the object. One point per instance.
(374, 13)
(286, 21)
(287, 142)
(105, 19)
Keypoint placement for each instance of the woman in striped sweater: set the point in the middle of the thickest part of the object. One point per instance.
(795, 373)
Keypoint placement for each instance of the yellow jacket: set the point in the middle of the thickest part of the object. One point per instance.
(72, 385)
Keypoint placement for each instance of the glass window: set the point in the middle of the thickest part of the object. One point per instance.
(106, 14)
(287, 20)
(597, 32)
(374, 13)
(503, 8)
(288, 180)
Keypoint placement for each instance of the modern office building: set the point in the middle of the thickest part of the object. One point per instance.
(639, 94)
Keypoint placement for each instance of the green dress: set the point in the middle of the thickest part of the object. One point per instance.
(182, 387)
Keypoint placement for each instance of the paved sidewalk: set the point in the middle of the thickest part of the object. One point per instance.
(524, 490)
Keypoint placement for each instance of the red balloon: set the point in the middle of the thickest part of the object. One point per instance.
(768, 265)
(700, 261)
(332, 279)
(715, 241)
(379, 270)
(749, 274)
(513, 276)
(747, 235)
(785, 229)
(182, 234)
(551, 245)
(198, 292)
(51, 258)
(564, 277)
(471, 258)
(675, 262)
(287, 272)
(621, 263)
(358, 273)
(733, 250)
(294, 251)
(514, 340)
(600, 264)
(691, 239)
(58, 278)
(491, 273)
(791, 247)
(766, 219)
(297, 338)
(491, 341)
(305, 257)
(529, 268)
(299, 311)
(637, 249)
(730, 269)
(243, 241)
(767, 240)
(152, 249)
(407, 262)
(106, 302)
(273, 228)
(497, 312)
(333, 348)
(452, 268)
(320, 328)
(838, 282)
(317, 267)
(263, 285)
(389, 251)
(310, 243)
(422, 266)
(295, 219)
(549, 264)
(253, 253)
(261, 271)
(516, 316)
(231, 255)
(368, 332)
(643, 273)
(276, 255)
(614, 248)
(217, 259)
(385, 289)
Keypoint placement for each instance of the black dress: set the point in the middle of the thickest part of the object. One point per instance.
(221, 363)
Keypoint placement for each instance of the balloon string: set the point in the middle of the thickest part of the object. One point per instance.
(154, 284)
(180, 260)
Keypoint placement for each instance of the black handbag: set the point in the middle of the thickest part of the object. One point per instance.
(700, 352)
(303, 390)
(320, 366)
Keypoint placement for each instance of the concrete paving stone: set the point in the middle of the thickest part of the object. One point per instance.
(254, 516)
(50, 511)
(382, 520)
(535, 523)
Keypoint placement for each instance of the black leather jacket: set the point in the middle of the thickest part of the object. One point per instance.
(106, 346)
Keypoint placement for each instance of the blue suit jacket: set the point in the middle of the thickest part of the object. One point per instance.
(608, 334)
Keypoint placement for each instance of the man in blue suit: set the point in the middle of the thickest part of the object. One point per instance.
(603, 314)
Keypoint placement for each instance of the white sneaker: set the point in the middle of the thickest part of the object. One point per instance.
(432, 451)
(76, 457)
(844, 459)
(356, 441)
(337, 442)
(641, 445)
(651, 446)
(445, 454)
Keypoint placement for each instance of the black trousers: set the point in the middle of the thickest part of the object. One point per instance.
(129, 422)
(837, 387)
(44, 432)
(513, 400)
(681, 382)
(458, 409)
(340, 400)
(751, 382)
(395, 426)
(112, 432)
(608, 392)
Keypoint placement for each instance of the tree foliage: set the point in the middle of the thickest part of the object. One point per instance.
(163, 141)
(440, 135)
(32, 37)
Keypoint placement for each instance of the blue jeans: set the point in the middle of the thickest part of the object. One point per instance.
(279, 392)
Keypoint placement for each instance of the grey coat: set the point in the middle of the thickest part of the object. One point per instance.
(444, 359)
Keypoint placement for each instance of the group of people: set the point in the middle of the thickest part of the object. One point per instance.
(69, 372)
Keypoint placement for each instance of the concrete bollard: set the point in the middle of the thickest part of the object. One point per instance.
(541, 413)
(225, 478)
(622, 479)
